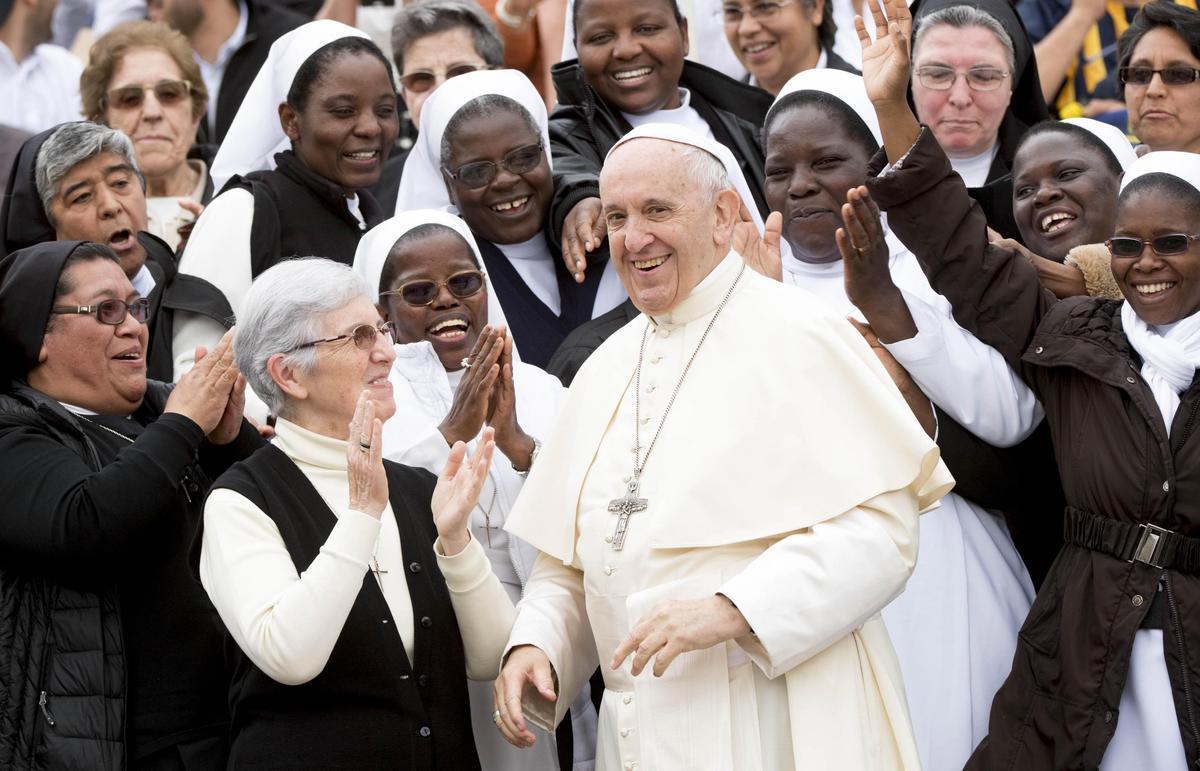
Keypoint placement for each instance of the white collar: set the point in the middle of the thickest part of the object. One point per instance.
(705, 296)
(305, 446)
(974, 169)
(230, 46)
(533, 249)
(663, 115)
(143, 282)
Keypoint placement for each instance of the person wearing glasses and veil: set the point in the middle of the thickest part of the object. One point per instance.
(342, 577)
(454, 374)
(484, 148)
(975, 84)
(112, 658)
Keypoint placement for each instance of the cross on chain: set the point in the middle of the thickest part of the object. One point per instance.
(627, 504)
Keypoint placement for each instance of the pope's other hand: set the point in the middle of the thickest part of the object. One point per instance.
(526, 666)
(673, 627)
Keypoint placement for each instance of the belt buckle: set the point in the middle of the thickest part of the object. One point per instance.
(1147, 549)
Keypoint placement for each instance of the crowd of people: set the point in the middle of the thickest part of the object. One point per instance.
(599, 385)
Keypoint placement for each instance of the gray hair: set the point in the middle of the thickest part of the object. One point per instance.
(706, 170)
(285, 308)
(427, 18)
(71, 145)
(962, 17)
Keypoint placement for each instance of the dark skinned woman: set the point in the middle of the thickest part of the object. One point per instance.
(482, 149)
(1102, 677)
(632, 70)
(111, 658)
(309, 140)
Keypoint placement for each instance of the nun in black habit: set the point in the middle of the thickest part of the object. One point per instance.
(24, 222)
(985, 170)
(111, 654)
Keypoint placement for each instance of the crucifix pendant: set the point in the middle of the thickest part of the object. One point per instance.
(375, 568)
(623, 507)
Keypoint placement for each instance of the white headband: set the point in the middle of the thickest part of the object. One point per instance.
(846, 87)
(1112, 137)
(1182, 166)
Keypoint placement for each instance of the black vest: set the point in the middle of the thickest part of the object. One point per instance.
(369, 707)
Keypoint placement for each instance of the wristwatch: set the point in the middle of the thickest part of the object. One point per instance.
(508, 19)
(537, 447)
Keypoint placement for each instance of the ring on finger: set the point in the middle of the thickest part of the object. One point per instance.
(466, 362)
(365, 446)
(496, 717)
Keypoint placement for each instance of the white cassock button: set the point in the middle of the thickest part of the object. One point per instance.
(645, 420)
(628, 698)
(609, 570)
(664, 332)
(624, 732)
(655, 359)
(608, 539)
(650, 388)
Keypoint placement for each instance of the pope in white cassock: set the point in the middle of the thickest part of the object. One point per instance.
(729, 498)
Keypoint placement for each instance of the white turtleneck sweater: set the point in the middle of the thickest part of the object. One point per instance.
(288, 623)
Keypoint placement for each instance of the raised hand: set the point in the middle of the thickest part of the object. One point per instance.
(202, 394)
(457, 491)
(868, 274)
(512, 440)
(886, 62)
(471, 403)
(526, 665)
(583, 232)
(761, 253)
(364, 460)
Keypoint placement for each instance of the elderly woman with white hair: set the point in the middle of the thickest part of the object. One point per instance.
(357, 615)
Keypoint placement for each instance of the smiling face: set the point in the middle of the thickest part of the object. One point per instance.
(96, 366)
(329, 391)
(449, 51)
(809, 169)
(161, 134)
(777, 47)
(348, 126)
(965, 122)
(451, 324)
(1064, 194)
(1161, 290)
(632, 53)
(665, 232)
(1164, 117)
(101, 200)
(512, 207)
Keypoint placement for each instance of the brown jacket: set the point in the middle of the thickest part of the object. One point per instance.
(1058, 707)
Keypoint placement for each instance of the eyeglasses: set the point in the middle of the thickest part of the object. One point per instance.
(481, 173)
(1163, 246)
(110, 311)
(935, 77)
(423, 291)
(420, 82)
(363, 335)
(758, 11)
(1171, 76)
(167, 92)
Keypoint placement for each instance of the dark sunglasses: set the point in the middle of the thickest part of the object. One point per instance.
(363, 335)
(481, 173)
(423, 291)
(420, 82)
(167, 92)
(1171, 76)
(110, 311)
(1164, 246)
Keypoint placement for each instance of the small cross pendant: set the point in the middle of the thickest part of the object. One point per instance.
(627, 504)
(375, 568)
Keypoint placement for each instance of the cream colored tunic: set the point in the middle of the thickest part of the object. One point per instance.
(817, 686)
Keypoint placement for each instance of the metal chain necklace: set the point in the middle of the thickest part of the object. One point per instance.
(106, 428)
(487, 513)
(630, 503)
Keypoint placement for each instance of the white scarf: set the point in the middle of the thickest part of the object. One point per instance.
(1170, 357)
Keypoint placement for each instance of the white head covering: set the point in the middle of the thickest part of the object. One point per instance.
(1112, 137)
(675, 133)
(1170, 355)
(846, 86)
(376, 244)
(255, 134)
(421, 185)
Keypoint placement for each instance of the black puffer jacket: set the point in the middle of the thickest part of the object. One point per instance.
(583, 129)
(72, 529)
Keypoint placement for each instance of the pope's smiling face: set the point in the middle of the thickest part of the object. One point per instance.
(666, 233)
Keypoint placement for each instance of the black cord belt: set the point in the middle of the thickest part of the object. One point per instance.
(1146, 543)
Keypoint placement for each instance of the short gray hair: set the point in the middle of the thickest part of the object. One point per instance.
(962, 17)
(285, 308)
(427, 18)
(706, 170)
(71, 145)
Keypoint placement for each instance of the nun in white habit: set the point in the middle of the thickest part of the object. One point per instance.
(955, 625)
(430, 255)
(299, 172)
(497, 118)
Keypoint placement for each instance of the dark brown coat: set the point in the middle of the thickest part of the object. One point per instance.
(1058, 707)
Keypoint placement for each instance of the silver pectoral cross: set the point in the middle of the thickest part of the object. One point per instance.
(624, 506)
